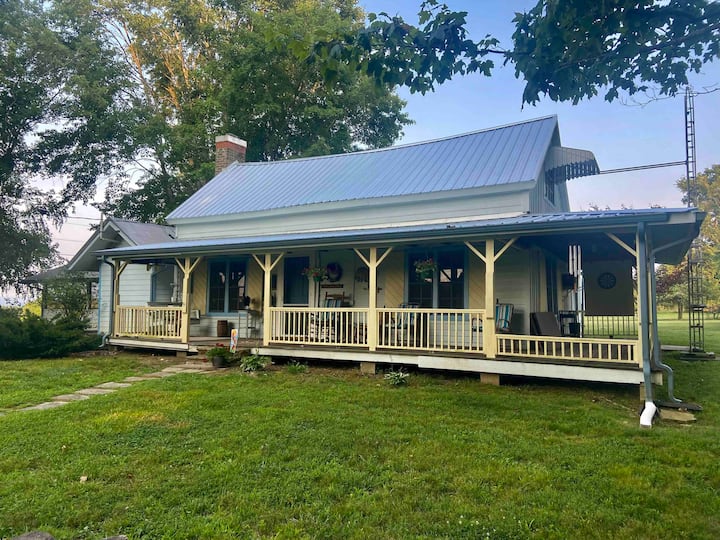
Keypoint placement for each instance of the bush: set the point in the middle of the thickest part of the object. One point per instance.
(397, 378)
(296, 367)
(254, 362)
(30, 336)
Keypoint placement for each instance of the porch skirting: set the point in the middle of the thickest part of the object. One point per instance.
(630, 374)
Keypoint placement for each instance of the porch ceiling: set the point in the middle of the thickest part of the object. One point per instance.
(664, 226)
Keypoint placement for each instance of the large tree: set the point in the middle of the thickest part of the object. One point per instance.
(564, 50)
(61, 110)
(204, 69)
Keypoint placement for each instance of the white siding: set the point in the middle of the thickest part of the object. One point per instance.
(135, 285)
(512, 286)
(105, 298)
(321, 217)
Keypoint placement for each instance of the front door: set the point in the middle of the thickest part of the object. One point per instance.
(296, 287)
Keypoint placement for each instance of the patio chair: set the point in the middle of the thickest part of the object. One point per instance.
(399, 329)
(545, 323)
(503, 318)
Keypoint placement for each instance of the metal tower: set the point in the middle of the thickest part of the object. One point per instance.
(696, 297)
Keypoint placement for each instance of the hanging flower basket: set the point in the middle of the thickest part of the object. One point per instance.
(425, 268)
(316, 273)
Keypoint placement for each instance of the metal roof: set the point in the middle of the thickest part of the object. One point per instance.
(491, 157)
(508, 226)
(143, 233)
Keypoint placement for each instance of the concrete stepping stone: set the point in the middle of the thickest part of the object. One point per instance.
(95, 391)
(159, 375)
(199, 365)
(46, 405)
(673, 415)
(70, 397)
(174, 369)
(113, 385)
(137, 378)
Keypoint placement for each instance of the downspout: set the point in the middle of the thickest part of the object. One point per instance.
(650, 409)
(107, 334)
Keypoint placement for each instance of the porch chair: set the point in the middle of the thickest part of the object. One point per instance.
(503, 316)
(545, 323)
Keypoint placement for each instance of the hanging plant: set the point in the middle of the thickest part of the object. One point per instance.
(316, 273)
(425, 268)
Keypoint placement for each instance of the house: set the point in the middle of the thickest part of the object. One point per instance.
(152, 283)
(459, 253)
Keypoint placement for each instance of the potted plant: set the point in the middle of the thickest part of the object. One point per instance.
(316, 273)
(425, 268)
(219, 356)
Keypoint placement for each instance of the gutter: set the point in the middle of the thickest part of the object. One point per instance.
(646, 417)
(111, 317)
(332, 238)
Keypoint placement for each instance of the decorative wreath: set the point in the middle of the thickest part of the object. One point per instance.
(334, 272)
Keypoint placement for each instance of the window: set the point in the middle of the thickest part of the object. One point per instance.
(549, 188)
(446, 287)
(226, 287)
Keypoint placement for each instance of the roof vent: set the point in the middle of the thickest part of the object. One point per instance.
(228, 149)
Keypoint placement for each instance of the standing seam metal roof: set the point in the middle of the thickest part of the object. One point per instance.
(491, 157)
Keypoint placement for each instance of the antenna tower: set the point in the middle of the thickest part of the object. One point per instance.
(696, 296)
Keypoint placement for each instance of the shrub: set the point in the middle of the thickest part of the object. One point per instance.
(254, 362)
(30, 336)
(296, 367)
(397, 378)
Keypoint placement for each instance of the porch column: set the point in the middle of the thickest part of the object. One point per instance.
(372, 263)
(643, 311)
(489, 341)
(187, 267)
(118, 266)
(267, 266)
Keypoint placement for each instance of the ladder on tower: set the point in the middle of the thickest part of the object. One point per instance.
(696, 296)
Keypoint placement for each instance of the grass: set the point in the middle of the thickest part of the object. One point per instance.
(331, 454)
(674, 331)
(328, 453)
(28, 382)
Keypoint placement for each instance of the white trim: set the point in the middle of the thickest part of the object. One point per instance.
(500, 367)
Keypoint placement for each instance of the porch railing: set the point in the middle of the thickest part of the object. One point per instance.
(583, 349)
(319, 326)
(150, 322)
(610, 325)
(430, 329)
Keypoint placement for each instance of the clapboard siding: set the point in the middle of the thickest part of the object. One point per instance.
(198, 296)
(356, 215)
(105, 297)
(476, 282)
(135, 285)
(512, 286)
(392, 272)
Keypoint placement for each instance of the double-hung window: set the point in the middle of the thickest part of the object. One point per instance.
(226, 285)
(445, 288)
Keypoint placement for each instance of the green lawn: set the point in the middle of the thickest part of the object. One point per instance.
(29, 382)
(332, 454)
(675, 332)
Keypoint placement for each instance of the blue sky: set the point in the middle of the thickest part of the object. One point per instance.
(618, 134)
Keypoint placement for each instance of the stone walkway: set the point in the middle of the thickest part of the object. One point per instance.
(110, 387)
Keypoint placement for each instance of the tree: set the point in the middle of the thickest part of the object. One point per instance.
(62, 116)
(707, 196)
(566, 51)
(203, 69)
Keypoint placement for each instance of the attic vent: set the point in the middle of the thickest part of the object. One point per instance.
(567, 163)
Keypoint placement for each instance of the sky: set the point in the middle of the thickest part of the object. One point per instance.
(620, 135)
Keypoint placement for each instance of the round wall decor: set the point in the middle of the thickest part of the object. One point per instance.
(606, 280)
(334, 272)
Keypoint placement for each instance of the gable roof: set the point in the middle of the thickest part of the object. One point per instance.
(497, 156)
(114, 230)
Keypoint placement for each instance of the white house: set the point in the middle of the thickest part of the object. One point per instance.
(458, 253)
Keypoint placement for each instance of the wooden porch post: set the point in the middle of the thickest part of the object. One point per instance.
(187, 268)
(119, 267)
(372, 263)
(267, 266)
(489, 341)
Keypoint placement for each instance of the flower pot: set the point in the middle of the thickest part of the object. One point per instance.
(218, 361)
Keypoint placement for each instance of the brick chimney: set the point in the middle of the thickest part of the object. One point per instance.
(228, 149)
